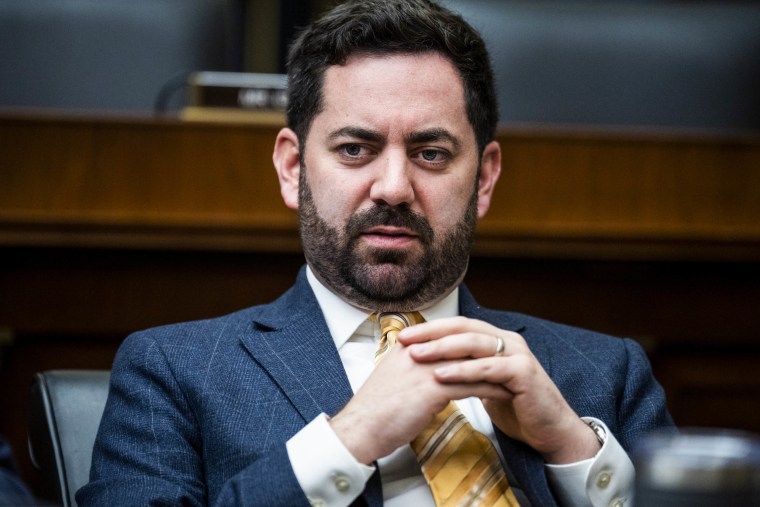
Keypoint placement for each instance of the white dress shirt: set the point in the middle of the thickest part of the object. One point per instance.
(331, 476)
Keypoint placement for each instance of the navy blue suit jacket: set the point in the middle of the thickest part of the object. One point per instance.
(199, 413)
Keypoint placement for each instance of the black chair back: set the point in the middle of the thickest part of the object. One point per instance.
(66, 407)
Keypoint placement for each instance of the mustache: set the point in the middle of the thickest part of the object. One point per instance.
(396, 216)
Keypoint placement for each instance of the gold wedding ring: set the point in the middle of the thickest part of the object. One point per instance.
(499, 346)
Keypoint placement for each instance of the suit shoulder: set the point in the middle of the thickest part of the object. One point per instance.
(195, 333)
(202, 325)
(199, 337)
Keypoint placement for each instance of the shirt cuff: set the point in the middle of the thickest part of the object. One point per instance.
(604, 480)
(328, 473)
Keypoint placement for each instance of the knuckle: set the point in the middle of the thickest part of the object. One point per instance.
(525, 364)
(460, 321)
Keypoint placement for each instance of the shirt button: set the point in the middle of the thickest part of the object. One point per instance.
(603, 479)
(317, 502)
(617, 502)
(342, 483)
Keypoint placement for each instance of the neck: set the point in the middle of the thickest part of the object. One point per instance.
(413, 303)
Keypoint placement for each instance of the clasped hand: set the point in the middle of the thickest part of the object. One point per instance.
(450, 359)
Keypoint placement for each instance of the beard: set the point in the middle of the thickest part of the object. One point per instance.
(382, 279)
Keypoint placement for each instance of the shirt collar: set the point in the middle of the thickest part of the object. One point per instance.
(343, 319)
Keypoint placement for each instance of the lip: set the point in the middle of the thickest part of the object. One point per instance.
(386, 236)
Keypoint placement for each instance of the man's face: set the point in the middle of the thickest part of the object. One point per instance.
(388, 188)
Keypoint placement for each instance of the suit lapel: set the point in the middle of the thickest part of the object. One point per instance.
(290, 340)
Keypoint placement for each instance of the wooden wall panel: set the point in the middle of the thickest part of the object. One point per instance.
(109, 182)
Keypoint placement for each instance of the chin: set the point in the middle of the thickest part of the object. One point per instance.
(387, 281)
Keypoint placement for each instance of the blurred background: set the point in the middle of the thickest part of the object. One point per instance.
(629, 201)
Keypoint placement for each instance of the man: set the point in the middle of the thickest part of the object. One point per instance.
(390, 159)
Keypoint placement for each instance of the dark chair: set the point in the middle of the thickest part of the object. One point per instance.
(66, 407)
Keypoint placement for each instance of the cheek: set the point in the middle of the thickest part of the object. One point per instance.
(336, 198)
(444, 205)
(449, 217)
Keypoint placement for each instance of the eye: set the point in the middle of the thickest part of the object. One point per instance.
(352, 150)
(431, 155)
(354, 153)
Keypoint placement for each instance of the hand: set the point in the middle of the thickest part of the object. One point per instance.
(397, 401)
(535, 413)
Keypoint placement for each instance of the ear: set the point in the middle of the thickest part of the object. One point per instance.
(287, 162)
(490, 169)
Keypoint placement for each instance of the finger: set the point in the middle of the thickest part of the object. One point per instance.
(459, 346)
(497, 370)
(485, 390)
(437, 329)
(433, 330)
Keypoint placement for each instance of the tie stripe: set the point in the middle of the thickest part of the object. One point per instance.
(459, 463)
(442, 437)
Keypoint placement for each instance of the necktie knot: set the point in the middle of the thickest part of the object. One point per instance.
(390, 325)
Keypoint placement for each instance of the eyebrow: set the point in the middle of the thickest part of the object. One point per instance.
(421, 137)
(358, 133)
(432, 135)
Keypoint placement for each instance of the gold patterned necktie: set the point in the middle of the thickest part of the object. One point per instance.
(459, 463)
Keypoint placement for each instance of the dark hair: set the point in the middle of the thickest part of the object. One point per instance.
(383, 27)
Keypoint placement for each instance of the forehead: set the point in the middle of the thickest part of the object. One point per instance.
(397, 90)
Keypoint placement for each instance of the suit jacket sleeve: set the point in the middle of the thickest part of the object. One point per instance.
(612, 381)
(150, 445)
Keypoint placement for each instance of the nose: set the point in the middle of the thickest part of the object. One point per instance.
(393, 182)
